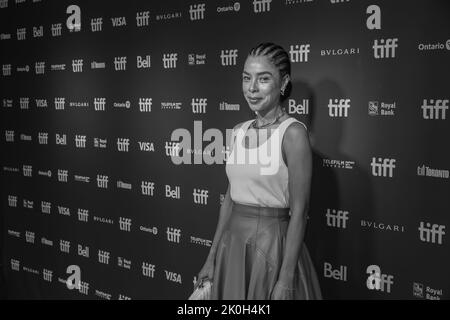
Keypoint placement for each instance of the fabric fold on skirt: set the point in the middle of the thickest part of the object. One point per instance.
(250, 253)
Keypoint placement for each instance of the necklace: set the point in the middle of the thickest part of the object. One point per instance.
(283, 111)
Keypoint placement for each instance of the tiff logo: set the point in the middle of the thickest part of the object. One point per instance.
(148, 269)
(200, 196)
(383, 167)
(103, 257)
(24, 102)
(299, 53)
(56, 29)
(21, 33)
(96, 24)
(102, 181)
(6, 69)
(80, 141)
(84, 288)
(434, 109)
(9, 135)
(197, 11)
(43, 137)
(120, 63)
(385, 48)
(170, 60)
(142, 18)
(99, 104)
(429, 232)
(172, 149)
(15, 265)
(261, 5)
(39, 67)
(199, 105)
(46, 207)
(125, 224)
(59, 103)
(302, 108)
(123, 144)
(3, 4)
(228, 57)
(77, 65)
(27, 170)
(339, 108)
(62, 175)
(64, 246)
(147, 188)
(173, 235)
(12, 201)
(29, 236)
(47, 275)
(145, 104)
(83, 215)
(337, 219)
(377, 280)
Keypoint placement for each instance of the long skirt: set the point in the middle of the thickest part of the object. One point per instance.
(250, 254)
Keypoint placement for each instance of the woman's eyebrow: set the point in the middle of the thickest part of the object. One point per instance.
(259, 73)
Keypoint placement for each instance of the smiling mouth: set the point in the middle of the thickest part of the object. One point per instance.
(254, 100)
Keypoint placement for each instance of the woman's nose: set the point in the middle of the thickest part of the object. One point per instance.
(253, 86)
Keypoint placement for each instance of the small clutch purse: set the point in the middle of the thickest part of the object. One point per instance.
(203, 290)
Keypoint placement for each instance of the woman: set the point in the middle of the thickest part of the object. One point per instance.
(258, 250)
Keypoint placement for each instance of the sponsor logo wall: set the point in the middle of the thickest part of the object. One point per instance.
(116, 119)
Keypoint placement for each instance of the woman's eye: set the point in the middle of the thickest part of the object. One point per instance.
(264, 79)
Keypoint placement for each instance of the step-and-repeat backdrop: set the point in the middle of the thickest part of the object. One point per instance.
(96, 97)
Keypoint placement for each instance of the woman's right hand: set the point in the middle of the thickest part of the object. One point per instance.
(206, 272)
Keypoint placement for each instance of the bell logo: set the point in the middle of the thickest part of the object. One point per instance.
(337, 274)
(377, 280)
(430, 232)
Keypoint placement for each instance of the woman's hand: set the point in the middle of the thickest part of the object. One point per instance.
(282, 291)
(206, 272)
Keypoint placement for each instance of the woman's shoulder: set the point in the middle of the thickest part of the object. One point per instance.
(240, 124)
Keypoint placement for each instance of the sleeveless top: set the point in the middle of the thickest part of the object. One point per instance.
(258, 176)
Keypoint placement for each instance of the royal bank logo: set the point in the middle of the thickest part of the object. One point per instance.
(143, 62)
(39, 67)
(429, 293)
(429, 172)
(173, 276)
(28, 204)
(103, 256)
(381, 109)
(63, 175)
(228, 57)
(301, 108)
(385, 48)
(200, 196)
(123, 297)
(145, 104)
(174, 194)
(142, 18)
(434, 109)
(96, 24)
(12, 201)
(99, 104)
(377, 280)
(27, 171)
(100, 143)
(46, 207)
(431, 233)
(199, 105)
(102, 181)
(123, 144)
(197, 11)
(338, 107)
(173, 234)
(9, 135)
(59, 103)
(21, 34)
(47, 275)
(337, 218)
(337, 274)
(118, 22)
(6, 68)
(83, 215)
(125, 224)
(77, 65)
(38, 32)
(148, 270)
(383, 167)
(147, 188)
(64, 246)
(120, 63)
(261, 6)
(29, 237)
(56, 29)
(196, 59)
(225, 106)
(124, 263)
(299, 52)
(170, 60)
(61, 139)
(15, 265)
(83, 251)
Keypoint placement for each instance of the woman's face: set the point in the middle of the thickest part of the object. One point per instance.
(261, 84)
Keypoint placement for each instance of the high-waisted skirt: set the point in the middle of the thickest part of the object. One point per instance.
(250, 254)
